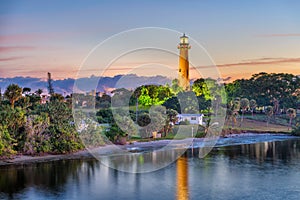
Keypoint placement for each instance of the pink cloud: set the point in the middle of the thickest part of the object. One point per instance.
(18, 38)
(7, 49)
(10, 59)
(281, 35)
(259, 61)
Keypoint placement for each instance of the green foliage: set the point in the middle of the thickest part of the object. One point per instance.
(28, 127)
(121, 97)
(6, 142)
(114, 132)
(175, 88)
(92, 135)
(200, 133)
(57, 97)
(121, 124)
(126, 124)
(188, 102)
(209, 89)
(14, 120)
(264, 88)
(64, 137)
(105, 116)
(32, 128)
(244, 103)
(232, 111)
(152, 94)
(13, 92)
(103, 102)
(185, 122)
(172, 103)
(155, 121)
(269, 112)
(252, 105)
(296, 130)
(170, 121)
(291, 113)
(201, 87)
(144, 119)
(36, 139)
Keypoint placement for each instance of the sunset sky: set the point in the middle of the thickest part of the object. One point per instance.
(241, 37)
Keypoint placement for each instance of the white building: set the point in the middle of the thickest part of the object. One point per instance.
(192, 118)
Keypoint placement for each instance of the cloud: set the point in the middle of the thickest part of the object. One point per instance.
(259, 61)
(10, 59)
(263, 61)
(32, 37)
(280, 35)
(18, 38)
(8, 49)
(104, 83)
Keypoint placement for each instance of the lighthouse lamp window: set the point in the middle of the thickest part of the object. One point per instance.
(184, 40)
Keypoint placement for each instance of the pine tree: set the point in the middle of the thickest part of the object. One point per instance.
(50, 86)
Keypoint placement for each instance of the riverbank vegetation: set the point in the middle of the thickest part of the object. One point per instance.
(30, 125)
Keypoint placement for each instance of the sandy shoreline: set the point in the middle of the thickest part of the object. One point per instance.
(110, 149)
(82, 154)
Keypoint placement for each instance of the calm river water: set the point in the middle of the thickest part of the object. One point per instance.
(265, 170)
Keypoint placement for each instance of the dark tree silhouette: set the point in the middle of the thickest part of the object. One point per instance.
(50, 85)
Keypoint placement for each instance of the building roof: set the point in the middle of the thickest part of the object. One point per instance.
(187, 115)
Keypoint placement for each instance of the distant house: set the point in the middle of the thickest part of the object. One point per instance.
(45, 98)
(192, 118)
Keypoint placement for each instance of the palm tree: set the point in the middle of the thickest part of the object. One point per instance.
(276, 106)
(236, 108)
(13, 93)
(137, 93)
(232, 112)
(252, 105)
(171, 120)
(50, 84)
(291, 113)
(244, 105)
(237, 104)
(210, 127)
(269, 112)
(39, 92)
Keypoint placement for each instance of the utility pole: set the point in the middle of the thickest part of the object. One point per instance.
(192, 131)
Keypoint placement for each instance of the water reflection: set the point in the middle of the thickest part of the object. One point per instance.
(284, 151)
(147, 161)
(182, 178)
(228, 172)
(49, 177)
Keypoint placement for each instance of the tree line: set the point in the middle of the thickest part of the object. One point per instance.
(27, 126)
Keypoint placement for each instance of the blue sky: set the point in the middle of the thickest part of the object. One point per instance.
(242, 37)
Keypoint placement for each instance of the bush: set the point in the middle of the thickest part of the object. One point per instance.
(92, 136)
(200, 134)
(6, 142)
(296, 130)
(185, 122)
